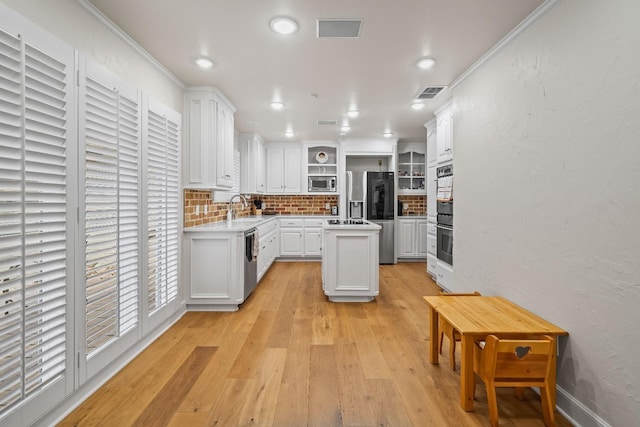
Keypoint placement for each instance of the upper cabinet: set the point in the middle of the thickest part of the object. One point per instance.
(253, 158)
(284, 168)
(321, 167)
(208, 141)
(444, 129)
(412, 165)
(432, 143)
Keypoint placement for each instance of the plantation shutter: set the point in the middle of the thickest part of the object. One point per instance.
(112, 140)
(163, 138)
(35, 92)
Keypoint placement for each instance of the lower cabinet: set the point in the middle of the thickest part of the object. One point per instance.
(213, 270)
(301, 237)
(445, 276)
(269, 246)
(412, 240)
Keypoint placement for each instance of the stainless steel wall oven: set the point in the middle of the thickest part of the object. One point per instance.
(444, 208)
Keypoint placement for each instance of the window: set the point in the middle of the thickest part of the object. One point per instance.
(162, 138)
(112, 139)
(35, 94)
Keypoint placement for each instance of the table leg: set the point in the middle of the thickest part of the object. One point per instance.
(466, 373)
(553, 373)
(433, 336)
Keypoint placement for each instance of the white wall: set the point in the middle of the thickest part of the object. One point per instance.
(547, 162)
(67, 21)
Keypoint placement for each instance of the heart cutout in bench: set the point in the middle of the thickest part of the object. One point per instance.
(522, 351)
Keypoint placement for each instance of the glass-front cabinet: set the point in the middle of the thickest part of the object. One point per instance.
(412, 162)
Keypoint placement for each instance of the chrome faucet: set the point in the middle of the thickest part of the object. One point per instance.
(231, 214)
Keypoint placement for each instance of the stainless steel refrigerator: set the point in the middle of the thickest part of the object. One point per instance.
(371, 195)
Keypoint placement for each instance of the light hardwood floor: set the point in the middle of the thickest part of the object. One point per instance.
(289, 357)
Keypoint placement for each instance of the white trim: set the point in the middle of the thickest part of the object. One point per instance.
(118, 32)
(541, 11)
(576, 412)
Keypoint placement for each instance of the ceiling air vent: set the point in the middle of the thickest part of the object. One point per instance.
(327, 122)
(430, 92)
(339, 27)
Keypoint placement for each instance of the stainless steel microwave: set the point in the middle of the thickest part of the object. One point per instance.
(322, 184)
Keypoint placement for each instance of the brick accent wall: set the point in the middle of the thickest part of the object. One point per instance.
(417, 205)
(284, 205)
(216, 211)
(300, 204)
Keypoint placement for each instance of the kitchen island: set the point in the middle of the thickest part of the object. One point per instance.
(350, 258)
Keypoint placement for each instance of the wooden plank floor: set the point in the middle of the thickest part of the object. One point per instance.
(289, 357)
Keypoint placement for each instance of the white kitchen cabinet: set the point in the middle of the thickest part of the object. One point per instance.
(445, 276)
(432, 143)
(224, 146)
(444, 130)
(423, 238)
(412, 240)
(253, 161)
(313, 236)
(291, 237)
(350, 262)
(208, 139)
(432, 266)
(214, 270)
(284, 168)
(411, 167)
(269, 245)
(432, 189)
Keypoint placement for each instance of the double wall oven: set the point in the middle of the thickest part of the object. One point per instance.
(444, 208)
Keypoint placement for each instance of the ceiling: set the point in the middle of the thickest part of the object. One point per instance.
(320, 78)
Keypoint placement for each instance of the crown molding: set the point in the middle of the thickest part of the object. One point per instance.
(92, 11)
(541, 11)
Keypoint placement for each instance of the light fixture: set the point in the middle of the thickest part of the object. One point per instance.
(204, 62)
(425, 63)
(353, 113)
(276, 105)
(417, 106)
(283, 25)
(345, 128)
(289, 134)
(387, 134)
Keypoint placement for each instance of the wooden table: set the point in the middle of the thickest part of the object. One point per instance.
(475, 317)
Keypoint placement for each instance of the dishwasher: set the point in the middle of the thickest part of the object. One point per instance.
(250, 261)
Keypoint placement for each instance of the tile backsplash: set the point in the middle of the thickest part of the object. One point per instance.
(282, 204)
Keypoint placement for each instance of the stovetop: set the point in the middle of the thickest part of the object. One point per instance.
(347, 222)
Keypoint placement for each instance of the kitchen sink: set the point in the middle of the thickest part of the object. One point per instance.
(243, 220)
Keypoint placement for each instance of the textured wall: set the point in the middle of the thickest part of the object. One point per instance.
(547, 156)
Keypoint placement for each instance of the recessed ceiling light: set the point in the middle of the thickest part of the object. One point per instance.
(276, 105)
(345, 128)
(203, 62)
(289, 134)
(353, 113)
(283, 25)
(387, 134)
(425, 63)
(417, 106)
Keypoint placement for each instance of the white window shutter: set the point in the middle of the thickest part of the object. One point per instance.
(162, 169)
(112, 140)
(35, 92)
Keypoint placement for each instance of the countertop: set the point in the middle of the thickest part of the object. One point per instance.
(367, 226)
(243, 223)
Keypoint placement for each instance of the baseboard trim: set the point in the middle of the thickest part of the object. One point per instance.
(78, 396)
(575, 411)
